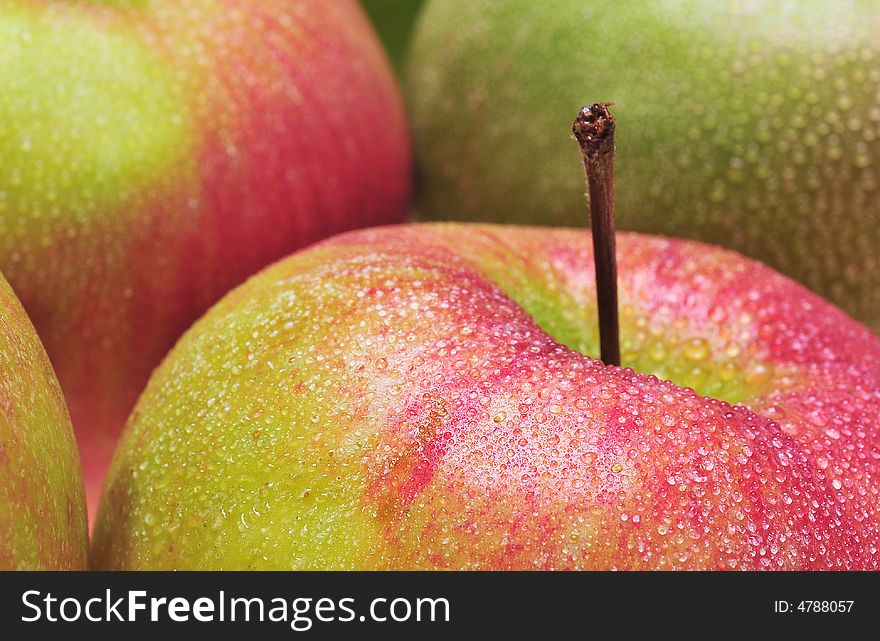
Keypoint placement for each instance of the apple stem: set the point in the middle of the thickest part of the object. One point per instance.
(594, 130)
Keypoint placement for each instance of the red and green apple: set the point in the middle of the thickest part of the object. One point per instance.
(425, 396)
(42, 502)
(156, 153)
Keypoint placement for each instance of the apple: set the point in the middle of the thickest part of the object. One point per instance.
(42, 501)
(394, 20)
(423, 396)
(751, 124)
(157, 153)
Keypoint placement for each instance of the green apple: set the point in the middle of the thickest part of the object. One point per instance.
(42, 501)
(752, 124)
(422, 396)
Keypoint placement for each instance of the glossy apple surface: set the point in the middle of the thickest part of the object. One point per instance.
(155, 153)
(750, 124)
(42, 503)
(419, 397)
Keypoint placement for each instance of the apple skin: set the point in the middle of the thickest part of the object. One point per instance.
(406, 397)
(155, 154)
(753, 125)
(42, 500)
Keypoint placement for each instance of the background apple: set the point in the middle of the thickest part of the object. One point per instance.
(42, 504)
(394, 20)
(420, 397)
(156, 153)
(751, 124)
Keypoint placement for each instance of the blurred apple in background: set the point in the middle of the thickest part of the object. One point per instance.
(752, 124)
(42, 503)
(155, 153)
(422, 397)
(394, 20)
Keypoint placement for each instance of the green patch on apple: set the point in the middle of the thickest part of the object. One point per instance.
(86, 128)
